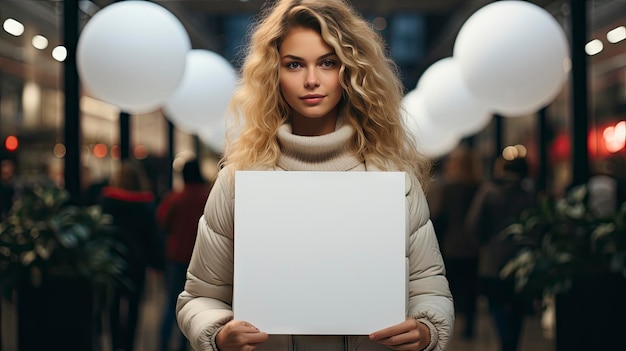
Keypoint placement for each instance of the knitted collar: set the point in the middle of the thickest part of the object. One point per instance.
(329, 152)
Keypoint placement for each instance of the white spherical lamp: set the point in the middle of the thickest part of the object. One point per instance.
(432, 141)
(204, 93)
(448, 101)
(132, 54)
(513, 56)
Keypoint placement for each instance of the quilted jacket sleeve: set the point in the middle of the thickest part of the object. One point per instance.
(205, 304)
(430, 300)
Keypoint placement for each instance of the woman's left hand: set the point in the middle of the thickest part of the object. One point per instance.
(408, 335)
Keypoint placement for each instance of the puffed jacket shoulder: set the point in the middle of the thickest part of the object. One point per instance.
(205, 304)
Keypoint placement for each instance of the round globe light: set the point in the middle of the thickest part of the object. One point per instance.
(447, 100)
(432, 140)
(204, 93)
(513, 56)
(132, 54)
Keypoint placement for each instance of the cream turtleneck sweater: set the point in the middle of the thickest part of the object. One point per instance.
(329, 152)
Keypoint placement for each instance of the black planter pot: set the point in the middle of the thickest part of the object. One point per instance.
(58, 315)
(591, 315)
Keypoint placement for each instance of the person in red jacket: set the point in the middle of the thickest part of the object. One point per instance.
(178, 214)
(131, 203)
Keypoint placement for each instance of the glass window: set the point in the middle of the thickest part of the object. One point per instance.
(407, 38)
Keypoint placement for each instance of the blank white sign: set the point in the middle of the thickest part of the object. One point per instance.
(320, 253)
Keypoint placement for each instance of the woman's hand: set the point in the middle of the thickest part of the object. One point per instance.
(239, 336)
(408, 335)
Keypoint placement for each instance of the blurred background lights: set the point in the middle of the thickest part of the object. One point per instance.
(59, 53)
(140, 152)
(616, 35)
(521, 150)
(13, 27)
(379, 23)
(594, 47)
(510, 153)
(11, 143)
(615, 137)
(40, 42)
(59, 150)
(100, 150)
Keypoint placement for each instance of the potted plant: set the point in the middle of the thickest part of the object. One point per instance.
(572, 253)
(61, 262)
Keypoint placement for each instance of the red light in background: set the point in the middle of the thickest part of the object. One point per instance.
(140, 152)
(615, 137)
(11, 143)
(100, 150)
(606, 140)
(561, 148)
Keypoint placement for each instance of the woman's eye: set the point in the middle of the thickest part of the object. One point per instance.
(328, 63)
(293, 65)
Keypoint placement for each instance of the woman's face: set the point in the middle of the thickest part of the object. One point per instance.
(309, 81)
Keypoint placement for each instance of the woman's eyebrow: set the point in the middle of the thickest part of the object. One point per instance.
(294, 57)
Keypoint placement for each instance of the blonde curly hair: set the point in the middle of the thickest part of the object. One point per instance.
(372, 93)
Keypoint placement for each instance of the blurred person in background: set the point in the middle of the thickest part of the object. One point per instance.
(7, 185)
(607, 186)
(459, 181)
(91, 188)
(178, 215)
(129, 200)
(497, 204)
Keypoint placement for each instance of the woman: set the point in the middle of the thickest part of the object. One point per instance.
(317, 93)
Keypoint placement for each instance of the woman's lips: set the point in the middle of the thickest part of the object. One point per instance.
(312, 99)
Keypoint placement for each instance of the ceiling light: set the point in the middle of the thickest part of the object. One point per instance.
(13, 27)
(59, 53)
(594, 47)
(40, 42)
(616, 35)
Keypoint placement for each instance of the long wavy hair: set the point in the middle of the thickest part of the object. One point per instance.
(372, 91)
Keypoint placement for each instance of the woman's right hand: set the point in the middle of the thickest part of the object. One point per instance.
(239, 336)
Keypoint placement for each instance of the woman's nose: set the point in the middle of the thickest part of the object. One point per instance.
(312, 80)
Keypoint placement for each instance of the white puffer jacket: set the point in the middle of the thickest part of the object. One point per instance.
(205, 305)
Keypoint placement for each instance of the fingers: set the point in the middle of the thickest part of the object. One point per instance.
(402, 336)
(253, 335)
(247, 326)
(404, 327)
(240, 335)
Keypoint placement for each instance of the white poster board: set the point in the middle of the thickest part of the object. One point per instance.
(320, 253)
